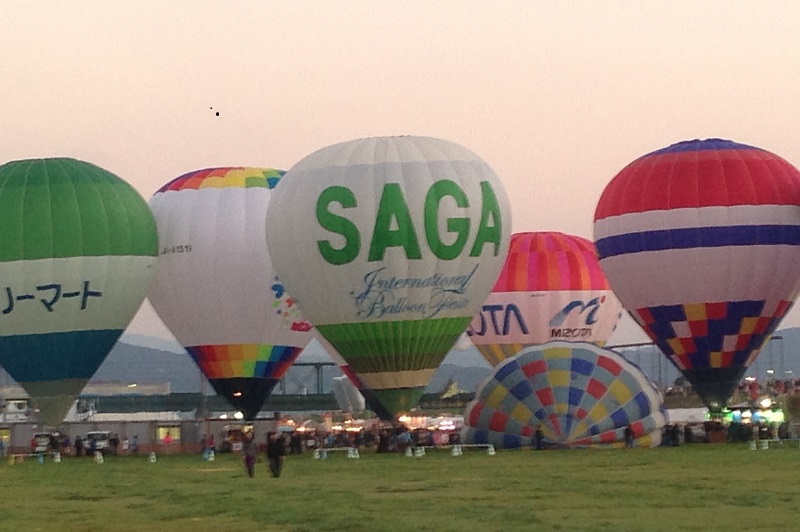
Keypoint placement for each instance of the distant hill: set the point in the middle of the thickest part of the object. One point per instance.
(138, 358)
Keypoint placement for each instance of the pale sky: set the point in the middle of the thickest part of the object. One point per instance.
(556, 96)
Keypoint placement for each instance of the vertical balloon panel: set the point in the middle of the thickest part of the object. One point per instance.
(701, 241)
(215, 287)
(77, 252)
(390, 245)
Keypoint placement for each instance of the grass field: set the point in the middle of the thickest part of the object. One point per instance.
(698, 487)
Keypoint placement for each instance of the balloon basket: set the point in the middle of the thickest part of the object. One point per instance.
(352, 452)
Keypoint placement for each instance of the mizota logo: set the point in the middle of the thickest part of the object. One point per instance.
(589, 308)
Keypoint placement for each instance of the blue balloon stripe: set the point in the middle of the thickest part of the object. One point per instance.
(698, 237)
(703, 145)
(56, 356)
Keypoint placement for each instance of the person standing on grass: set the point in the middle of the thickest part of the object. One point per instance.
(276, 452)
(539, 437)
(250, 452)
(629, 437)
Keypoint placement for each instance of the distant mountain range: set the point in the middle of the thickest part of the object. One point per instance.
(139, 359)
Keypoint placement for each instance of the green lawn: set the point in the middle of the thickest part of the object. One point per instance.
(698, 487)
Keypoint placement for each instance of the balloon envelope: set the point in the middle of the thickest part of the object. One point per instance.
(579, 394)
(390, 245)
(551, 288)
(701, 241)
(78, 248)
(215, 287)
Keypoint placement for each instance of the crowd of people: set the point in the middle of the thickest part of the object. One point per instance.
(88, 446)
(749, 389)
(382, 439)
(716, 432)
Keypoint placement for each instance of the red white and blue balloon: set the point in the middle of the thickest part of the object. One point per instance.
(701, 243)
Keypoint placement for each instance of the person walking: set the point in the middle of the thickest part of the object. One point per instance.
(250, 452)
(276, 452)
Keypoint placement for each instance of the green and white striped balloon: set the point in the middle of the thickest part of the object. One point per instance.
(78, 246)
(390, 245)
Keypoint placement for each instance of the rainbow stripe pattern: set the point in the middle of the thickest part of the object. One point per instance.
(549, 260)
(238, 177)
(244, 360)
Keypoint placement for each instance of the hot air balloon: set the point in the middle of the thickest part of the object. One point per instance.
(78, 247)
(215, 287)
(551, 288)
(577, 393)
(700, 241)
(390, 245)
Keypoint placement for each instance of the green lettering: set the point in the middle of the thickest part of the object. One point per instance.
(339, 225)
(393, 207)
(460, 226)
(490, 227)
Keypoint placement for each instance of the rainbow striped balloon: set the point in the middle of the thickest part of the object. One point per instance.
(215, 287)
(578, 394)
(551, 288)
(701, 242)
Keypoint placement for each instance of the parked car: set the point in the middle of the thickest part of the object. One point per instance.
(104, 441)
(45, 441)
(232, 436)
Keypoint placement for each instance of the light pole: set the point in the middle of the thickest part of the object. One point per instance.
(771, 368)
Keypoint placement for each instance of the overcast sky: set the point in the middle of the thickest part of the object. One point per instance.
(556, 96)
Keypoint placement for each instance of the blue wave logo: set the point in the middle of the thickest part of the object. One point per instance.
(589, 308)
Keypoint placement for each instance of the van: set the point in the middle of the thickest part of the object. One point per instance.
(102, 439)
(43, 441)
